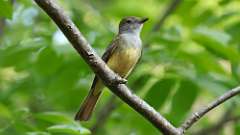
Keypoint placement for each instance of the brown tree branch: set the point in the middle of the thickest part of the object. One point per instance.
(199, 114)
(109, 78)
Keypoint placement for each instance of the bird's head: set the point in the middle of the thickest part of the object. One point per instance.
(131, 24)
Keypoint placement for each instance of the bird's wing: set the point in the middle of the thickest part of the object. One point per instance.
(107, 54)
(110, 49)
(96, 89)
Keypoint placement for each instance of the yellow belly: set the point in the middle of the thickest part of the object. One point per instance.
(122, 62)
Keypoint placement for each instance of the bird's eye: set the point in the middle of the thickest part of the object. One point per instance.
(128, 21)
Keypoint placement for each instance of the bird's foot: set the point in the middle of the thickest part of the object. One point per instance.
(119, 80)
(122, 81)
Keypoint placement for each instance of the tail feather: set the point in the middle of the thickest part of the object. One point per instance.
(87, 107)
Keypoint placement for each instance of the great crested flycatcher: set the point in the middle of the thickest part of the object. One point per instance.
(121, 56)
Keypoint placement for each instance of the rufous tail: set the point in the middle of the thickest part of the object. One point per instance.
(87, 106)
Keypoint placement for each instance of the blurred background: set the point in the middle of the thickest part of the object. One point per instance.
(191, 56)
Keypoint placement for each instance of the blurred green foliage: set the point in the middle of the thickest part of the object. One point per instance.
(192, 59)
(6, 9)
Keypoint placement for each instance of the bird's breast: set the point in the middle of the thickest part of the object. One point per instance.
(125, 56)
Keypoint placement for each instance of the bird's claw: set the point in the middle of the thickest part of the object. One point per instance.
(119, 80)
(122, 81)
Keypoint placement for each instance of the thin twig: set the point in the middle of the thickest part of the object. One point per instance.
(199, 114)
(109, 78)
(217, 127)
(171, 8)
(225, 118)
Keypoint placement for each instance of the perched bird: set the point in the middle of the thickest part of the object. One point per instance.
(121, 56)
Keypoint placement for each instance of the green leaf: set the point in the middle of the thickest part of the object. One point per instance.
(19, 55)
(6, 9)
(183, 100)
(4, 111)
(204, 61)
(234, 29)
(218, 36)
(216, 42)
(236, 70)
(38, 133)
(169, 37)
(224, 2)
(142, 79)
(48, 61)
(187, 7)
(5, 117)
(69, 81)
(69, 129)
(54, 117)
(159, 92)
(237, 128)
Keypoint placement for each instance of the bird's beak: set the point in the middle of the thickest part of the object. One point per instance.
(143, 20)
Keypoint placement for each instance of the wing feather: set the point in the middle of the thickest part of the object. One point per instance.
(107, 54)
(110, 49)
